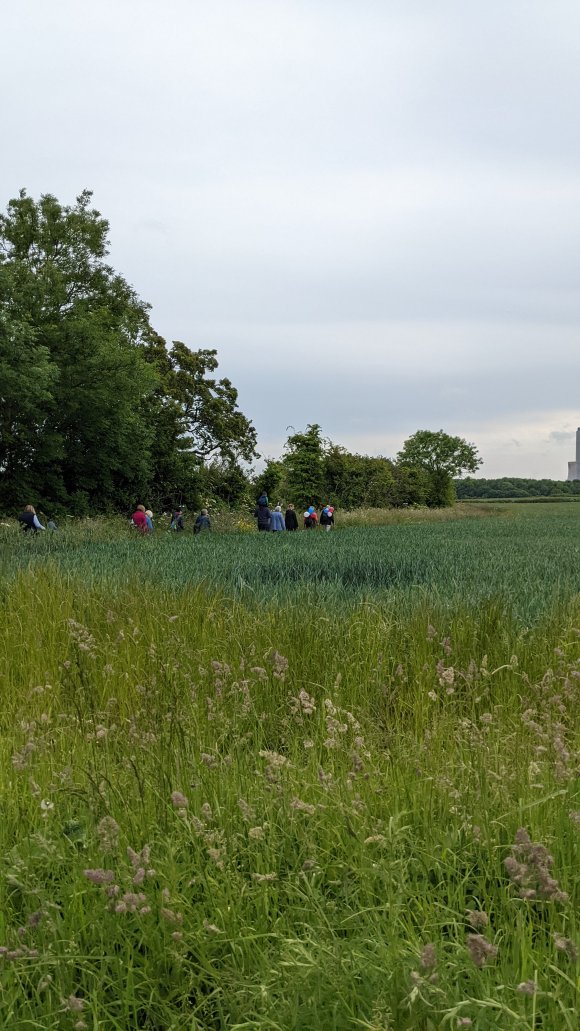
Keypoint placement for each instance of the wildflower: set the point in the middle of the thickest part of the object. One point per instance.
(75, 1004)
(575, 817)
(566, 945)
(216, 854)
(99, 876)
(527, 988)
(375, 839)
(302, 807)
(108, 833)
(130, 902)
(480, 950)
(246, 810)
(209, 760)
(211, 928)
(274, 758)
(308, 743)
(303, 704)
(432, 695)
(257, 833)
(464, 1022)
(529, 868)
(264, 878)
(280, 666)
(428, 956)
(259, 671)
(179, 800)
(170, 915)
(46, 805)
(308, 864)
(431, 632)
(477, 918)
(34, 919)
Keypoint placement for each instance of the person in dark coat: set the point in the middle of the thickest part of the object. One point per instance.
(202, 522)
(262, 513)
(290, 518)
(327, 517)
(29, 520)
(177, 520)
(310, 518)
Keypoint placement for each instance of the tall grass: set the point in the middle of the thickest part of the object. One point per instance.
(285, 812)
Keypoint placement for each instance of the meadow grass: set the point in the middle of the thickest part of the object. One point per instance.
(288, 804)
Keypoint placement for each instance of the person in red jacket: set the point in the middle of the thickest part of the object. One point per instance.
(139, 519)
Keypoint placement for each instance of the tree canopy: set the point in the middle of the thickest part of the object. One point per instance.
(443, 457)
(95, 410)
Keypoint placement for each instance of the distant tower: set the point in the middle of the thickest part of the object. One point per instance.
(574, 467)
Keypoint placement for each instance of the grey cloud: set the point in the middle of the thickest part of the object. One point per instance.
(372, 210)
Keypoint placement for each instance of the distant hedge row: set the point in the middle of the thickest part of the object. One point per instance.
(512, 489)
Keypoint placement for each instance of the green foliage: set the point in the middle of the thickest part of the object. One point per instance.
(96, 411)
(516, 487)
(27, 382)
(315, 470)
(303, 460)
(219, 811)
(272, 481)
(444, 457)
(197, 420)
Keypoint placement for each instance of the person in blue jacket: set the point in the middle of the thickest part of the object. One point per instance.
(277, 520)
(262, 513)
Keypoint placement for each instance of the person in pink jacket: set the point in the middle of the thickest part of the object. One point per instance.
(139, 519)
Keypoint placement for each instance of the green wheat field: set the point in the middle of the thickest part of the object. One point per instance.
(308, 781)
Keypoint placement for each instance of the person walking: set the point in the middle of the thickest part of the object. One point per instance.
(177, 521)
(327, 517)
(149, 518)
(202, 522)
(290, 518)
(139, 519)
(277, 521)
(29, 520)
(262, 513)
(310, 518)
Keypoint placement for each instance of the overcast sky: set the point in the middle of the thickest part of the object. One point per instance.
(371, 208)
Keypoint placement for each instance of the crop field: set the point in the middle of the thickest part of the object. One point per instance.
(283, 782)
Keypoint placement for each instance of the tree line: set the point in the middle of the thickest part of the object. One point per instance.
(515, 487)
(97, 410)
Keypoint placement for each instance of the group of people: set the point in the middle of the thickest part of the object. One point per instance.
(267, 519)
(272, 519)
(142, 520)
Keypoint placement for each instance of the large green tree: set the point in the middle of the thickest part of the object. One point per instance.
(88, 438)
(443, 457)
(28, 379)
(96, 410)
(304, 463)
(196, 418)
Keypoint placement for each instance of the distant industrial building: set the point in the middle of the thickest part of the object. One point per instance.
(574, 467)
